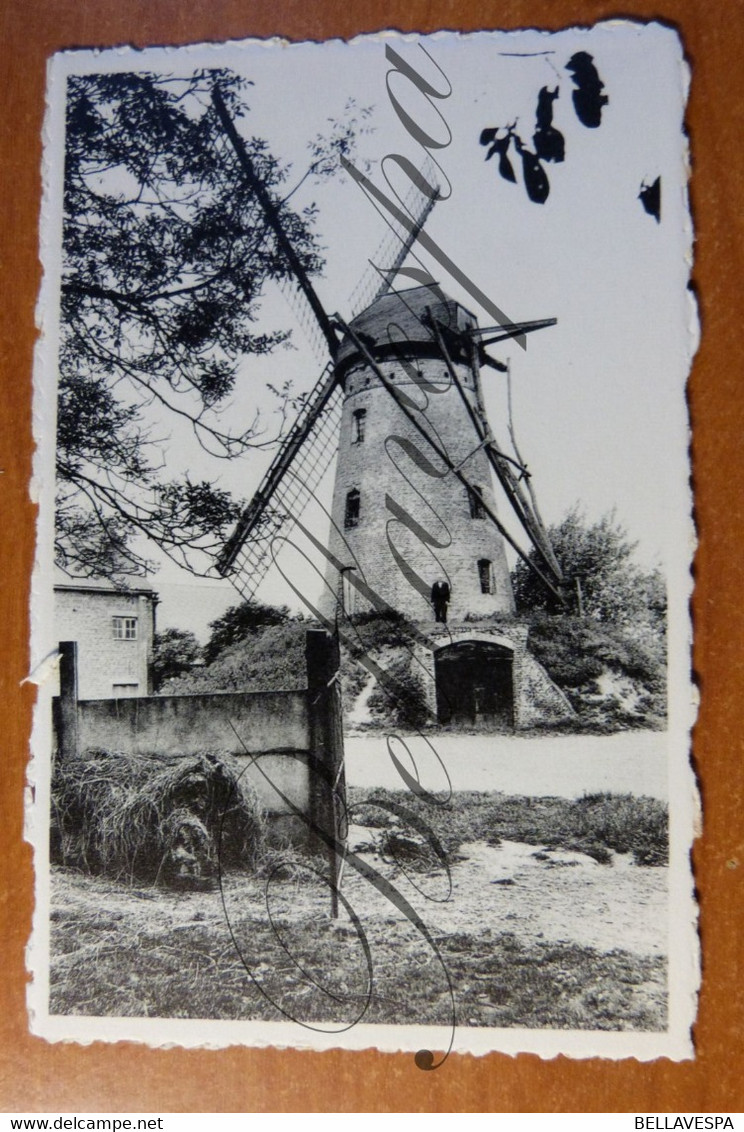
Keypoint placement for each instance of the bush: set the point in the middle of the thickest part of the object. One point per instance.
(374, 631)
(241, 622)
(576, 650)
(271, 659)
(626, 824)
(174, 652)
(148, 818)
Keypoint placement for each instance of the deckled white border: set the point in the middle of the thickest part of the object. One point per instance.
(685, 820)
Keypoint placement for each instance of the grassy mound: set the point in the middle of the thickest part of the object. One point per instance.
(388, 638)
(614, 677)
(273, 659)
(153, 819)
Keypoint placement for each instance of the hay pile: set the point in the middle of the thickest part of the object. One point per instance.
(148, 818)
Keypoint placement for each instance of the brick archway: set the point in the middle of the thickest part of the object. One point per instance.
(474, 682)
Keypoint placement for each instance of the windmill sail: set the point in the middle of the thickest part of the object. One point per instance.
(503, 466)
(393, 250)
(301, 463)
(272, 213)
(398, 241)
(286, 489)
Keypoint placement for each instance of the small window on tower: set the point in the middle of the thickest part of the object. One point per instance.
(485, 573)
(475, 498)
(351, 516)
(358, 422)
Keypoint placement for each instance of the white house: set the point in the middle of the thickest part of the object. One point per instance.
(113, 628)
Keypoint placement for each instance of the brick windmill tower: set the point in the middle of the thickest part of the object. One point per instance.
(402, 514)
(414, 522)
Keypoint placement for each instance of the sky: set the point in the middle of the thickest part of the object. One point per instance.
(598, 399)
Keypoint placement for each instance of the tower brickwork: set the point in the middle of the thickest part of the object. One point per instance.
(401, 519)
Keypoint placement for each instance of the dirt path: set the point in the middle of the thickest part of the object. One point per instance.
(565, 766)
(539, 895)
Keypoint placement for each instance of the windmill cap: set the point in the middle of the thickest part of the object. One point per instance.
(405, 318)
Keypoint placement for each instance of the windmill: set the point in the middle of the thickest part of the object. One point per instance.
(400, 403)
(413, 501)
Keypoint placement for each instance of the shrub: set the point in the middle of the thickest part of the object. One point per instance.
(241, 622)
(594, 824)
(577, 649)
(375, 631)
(271, 659)
(626, 824)
(174, 652)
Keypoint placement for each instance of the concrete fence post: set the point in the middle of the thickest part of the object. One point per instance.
(327, 782)
(67, 703)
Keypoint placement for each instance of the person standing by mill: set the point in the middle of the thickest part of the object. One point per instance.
(440, 596)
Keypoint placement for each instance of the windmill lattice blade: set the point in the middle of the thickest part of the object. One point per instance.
(287, 488)
(296, 301)
(255, 220)
(503, 467)
(272, 211)
(395, 245)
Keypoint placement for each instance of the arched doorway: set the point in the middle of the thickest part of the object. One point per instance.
(475, 683)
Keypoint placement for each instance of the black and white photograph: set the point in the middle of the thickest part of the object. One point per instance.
(360, 610)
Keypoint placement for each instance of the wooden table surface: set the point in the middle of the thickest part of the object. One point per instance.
(36, 1076)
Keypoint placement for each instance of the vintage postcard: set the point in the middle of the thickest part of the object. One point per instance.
(360, 614)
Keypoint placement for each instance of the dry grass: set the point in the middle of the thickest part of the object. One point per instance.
(264, 946)
(141, 955)
(150, 818)
(597, 824)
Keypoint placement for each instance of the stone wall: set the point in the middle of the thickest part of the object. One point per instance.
(542, 700)
(273, 726)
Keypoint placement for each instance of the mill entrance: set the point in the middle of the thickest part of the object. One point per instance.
(475, 683)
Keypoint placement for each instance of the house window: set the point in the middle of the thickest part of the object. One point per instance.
(351, 515)
(475, 499)
(125, 628)
(485, 574)
(358, 420)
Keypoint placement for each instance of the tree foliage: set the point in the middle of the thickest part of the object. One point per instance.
(548, 142)
(599, 556)
(174, 652)
(241, 621)
(165, 252)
